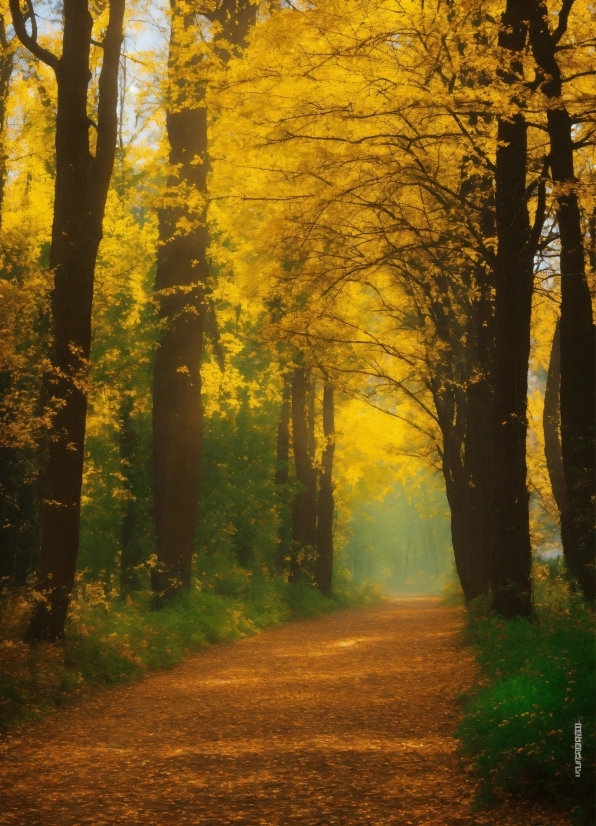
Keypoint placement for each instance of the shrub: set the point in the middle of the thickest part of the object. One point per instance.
(536, 681)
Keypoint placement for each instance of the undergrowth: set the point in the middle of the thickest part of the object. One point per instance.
(536, 682)
(109, 640)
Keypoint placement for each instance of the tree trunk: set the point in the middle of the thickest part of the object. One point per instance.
(6, 68)
(18, 519)
(578, 367)
(478, 473)
(180, 283)
(324, 568)
(129, 458)
(592, 243)
(552, 445)
(451, 417)
(475, 481)
(81, 188)
(463, 401)
(181, 286)
(304, 506)
(283, 434)
(551, 423)
(82, 182)
(282, 474)
(511, 559)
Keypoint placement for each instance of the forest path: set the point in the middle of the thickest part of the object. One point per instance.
(344, 720)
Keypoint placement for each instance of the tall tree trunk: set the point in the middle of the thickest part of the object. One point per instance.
(452, 428)
(283, 433)
(304, 506)
(478, 465)
(511, 560)
(282, 472)
(478, 444)
(324, 568)
(592, 243)
(129, 457)
(7, 54)
(463, 400)
(17, 500)
(181, 277)
(182, 285)
(477, 477)
(552, 439)
(82, 182)
(578, 367)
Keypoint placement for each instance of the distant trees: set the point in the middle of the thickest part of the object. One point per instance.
(304, 504)
(312, 511)
(325, 503)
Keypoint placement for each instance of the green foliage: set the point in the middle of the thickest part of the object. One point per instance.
(537, 681)
(239, 505)
(116, 488)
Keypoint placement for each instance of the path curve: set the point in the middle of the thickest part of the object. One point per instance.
(344, 720)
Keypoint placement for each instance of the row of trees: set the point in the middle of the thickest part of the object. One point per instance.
(428, 158)
(384, 186)
(183, 287)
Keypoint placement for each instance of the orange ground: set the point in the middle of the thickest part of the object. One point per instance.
(345, 720)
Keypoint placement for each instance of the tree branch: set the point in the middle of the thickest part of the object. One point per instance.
(107, 106)
(540, 206)
(563, 18)
(30, 40)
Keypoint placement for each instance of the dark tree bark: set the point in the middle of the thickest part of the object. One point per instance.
(82, 181)
(467, 464)
(592, 244)
(511, 559)
(462, 392)
(129, 457)
(325, 504)
(182, 288)
(181, 278)
(475, 491)
(460, 306)
(578, 367)
(304, 505)
(552, 442)
(7, 54)
(478, 461)
(282, 475)
(18, 528)
(283, 434)
(551, 424)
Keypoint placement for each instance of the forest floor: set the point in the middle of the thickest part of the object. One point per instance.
(344, 720)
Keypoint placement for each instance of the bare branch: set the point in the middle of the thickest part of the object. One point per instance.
(107, 118)
(540, 206)
(30, 40)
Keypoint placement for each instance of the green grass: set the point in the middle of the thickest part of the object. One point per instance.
(111, 641)
(536, 681)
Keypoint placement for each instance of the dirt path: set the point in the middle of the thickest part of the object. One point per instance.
(345, 720)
